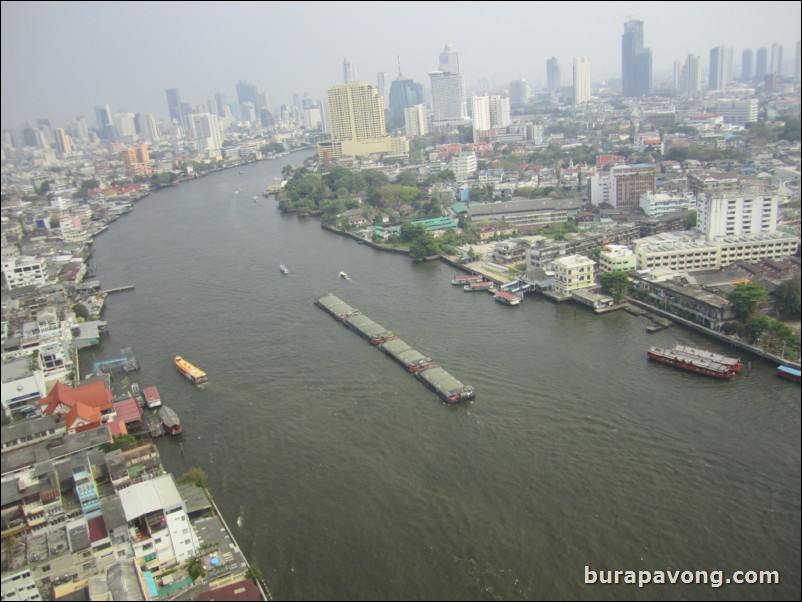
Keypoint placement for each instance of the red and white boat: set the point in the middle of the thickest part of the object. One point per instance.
(684, 361)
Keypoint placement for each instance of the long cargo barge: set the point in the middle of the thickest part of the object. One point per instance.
(448, 388)
(335, 307)
(412, 359)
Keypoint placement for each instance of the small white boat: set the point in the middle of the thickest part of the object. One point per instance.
(343, 275)
(283, 269)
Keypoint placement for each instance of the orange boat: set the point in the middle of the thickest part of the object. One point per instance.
(194, 375)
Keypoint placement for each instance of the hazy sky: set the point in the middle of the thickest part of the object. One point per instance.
(61, 59)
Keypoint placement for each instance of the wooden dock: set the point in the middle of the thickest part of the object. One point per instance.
(119, 289)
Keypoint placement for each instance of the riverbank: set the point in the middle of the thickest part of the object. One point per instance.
(717, 335)
(475, 268)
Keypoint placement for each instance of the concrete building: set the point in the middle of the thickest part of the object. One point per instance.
(553, 75)
(349, 71)
(720, 68)
(617, 258)
(137, 161)
(690, 80)
(208, 134)
(416, 121)
(449, 103)
(24, 271)
(661, 203)
(157, 519)
(636, 61)
(480, 113)
(737, 112)
(689, 251)
(623, 185)
(730, 215)
(463, 165)
(520, 92)
(527, 212)
(572, 273)
(581, 80)
(356, 123)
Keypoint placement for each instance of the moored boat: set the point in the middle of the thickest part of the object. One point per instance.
(467, 278)
(508, 298)
(733, 362)
(699, 365)
(792, 374)
(478, 286)
(193, 374)
(170, 421)
(152, 397)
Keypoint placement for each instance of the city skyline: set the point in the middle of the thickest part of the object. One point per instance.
(61, 60)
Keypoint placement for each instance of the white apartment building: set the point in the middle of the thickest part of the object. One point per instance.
(581, 80)
(20, 586)
(480, 113)
(690, 251)
(500, 112)
(416, 121)
(463, 165)
(572, 273)
(737, 112)
(24, 271)
(660, 203)
(617, 258)
(449, 104)
(208, 134)
(729, 215)
(158, 522)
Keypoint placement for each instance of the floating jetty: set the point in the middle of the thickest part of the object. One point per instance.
(448, 388)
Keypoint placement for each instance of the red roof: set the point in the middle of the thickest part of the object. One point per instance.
(128, 410)
(241, 590)
(97, 529)
(85, 402)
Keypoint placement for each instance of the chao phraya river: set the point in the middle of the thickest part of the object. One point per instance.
(350, 480)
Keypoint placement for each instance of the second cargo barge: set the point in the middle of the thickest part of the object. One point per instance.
(448, 388)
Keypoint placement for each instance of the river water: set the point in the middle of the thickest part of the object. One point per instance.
(352, 481)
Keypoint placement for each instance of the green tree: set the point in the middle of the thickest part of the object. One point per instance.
(54, 221)
(746, 299)
(424, 246)
(407, 178)
(410, 232)
(689, 222)
(615, 284)
(120, 442)
(787, 297)
(80, 311)
(196, 476)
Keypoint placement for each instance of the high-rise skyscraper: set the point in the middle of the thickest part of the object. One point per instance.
(349, 71)
(174, 105)
(519, 92)
(449, 60)
(553, 82)
(404, 93)
(747, 65)
(105, 123)
(382, 85)
(415, 121)
(63, 143)
(720, 67)
(798, 62)
(449, 101)
(480, 114)
(208, 134)
(761, 64)
(690, 85)
(356, 123)
(581, 80)
(636, 61)
(776, 60)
